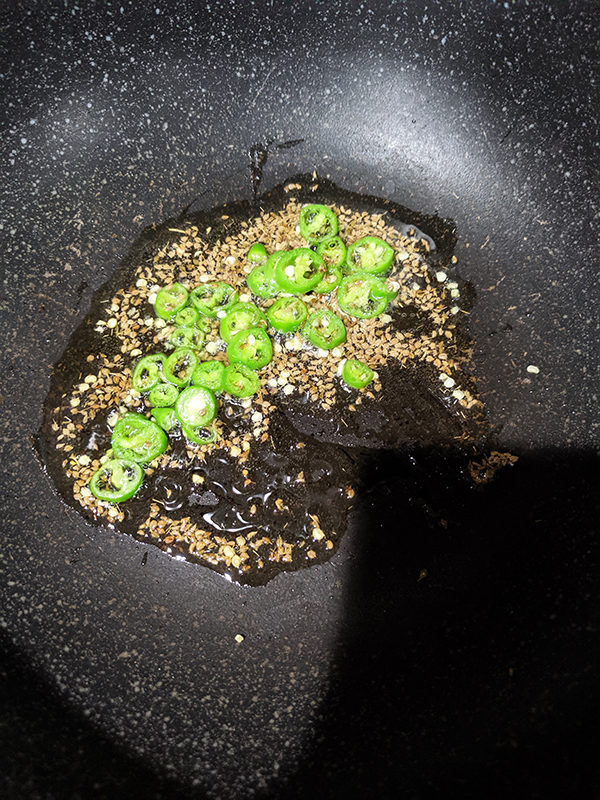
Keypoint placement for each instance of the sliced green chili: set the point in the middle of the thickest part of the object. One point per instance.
(257, 255)
(203, 435)
(261, 280)
(273, 260)
(180, 365)
(210, 298)
(210, 375)
(187, 317)
(363, 295)
(196, 407)
(138, 439)
(163, 394)
(369, 254)
(148, 372)
(240, 381)
(187, 336)
(317, 222)
(330, 281)
(261, 285)
(357, 374)
(117, 480)
(332, 251)
(299, 271)
(165, 417)
(170, 300)
(287, 314)
(251, 347)
(324, 329)
(241, 317)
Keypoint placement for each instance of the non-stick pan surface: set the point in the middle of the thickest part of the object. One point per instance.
(364, 677)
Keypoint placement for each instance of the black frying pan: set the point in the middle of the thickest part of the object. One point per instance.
(355, 678)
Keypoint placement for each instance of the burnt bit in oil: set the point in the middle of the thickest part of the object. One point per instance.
(259, 154)
(275, 491)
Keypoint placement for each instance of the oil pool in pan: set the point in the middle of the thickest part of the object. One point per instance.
(274, 490)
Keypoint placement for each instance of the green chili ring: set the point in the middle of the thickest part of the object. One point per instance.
(170, 300)
(369, 254)
(202, 435)
(324, 329)
(179, 366)
(333, 252)
(287, 314)
(257, 255)
(196, 407)
(117, 480)
(210, 375)
(163, 394)
(240, 381)
(165, 417)
(363, 295)
(317, 222)
(240, 317)
(251, 347)
(148, 372)
(260, 285)
(187, 317)
(299, 271)
(211, 298)
(186, 336)
(136, 438)
(357, 374)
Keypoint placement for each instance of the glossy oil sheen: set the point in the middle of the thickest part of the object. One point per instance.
(409, 413)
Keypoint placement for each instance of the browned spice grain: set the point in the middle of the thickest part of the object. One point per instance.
(483, 471)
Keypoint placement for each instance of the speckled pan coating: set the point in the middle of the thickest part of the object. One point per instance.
(117, 115)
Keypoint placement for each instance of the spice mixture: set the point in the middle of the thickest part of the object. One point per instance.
(273, 490)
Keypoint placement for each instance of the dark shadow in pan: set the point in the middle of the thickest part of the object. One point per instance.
(466, 660)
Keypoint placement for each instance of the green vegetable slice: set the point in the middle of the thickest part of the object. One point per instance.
(186, 336)
(210, 375)
(363, 295)
(287, 314)
(260, 285)
(272, 262)
(369, 254)
(196, 407)
(330, 281)
(299, 271)
(257, 255)
(136, 438)
(356, 374)
(163, 394)
(180, 365)
(204, 435)
(187, 317)
(317, 222)
(210, 298)
(240, 381)
(165, 417)
(148, 372)
(170, 300)
(251, 347)
(324, 329)
(117, 480)
(240, 317)
(332, 251)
